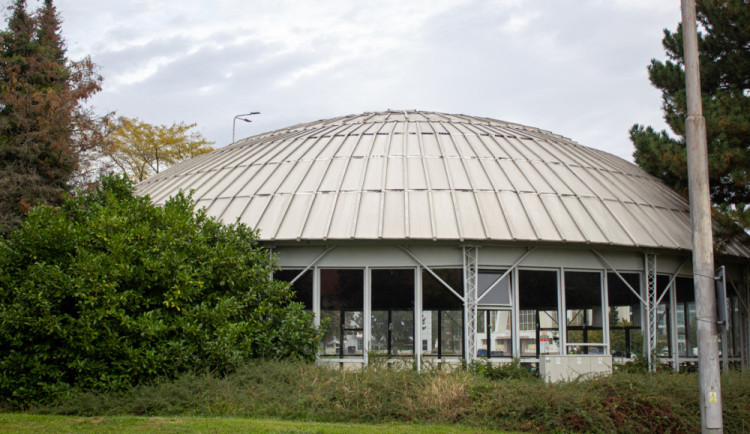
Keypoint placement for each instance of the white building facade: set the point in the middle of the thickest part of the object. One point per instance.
(428, 236)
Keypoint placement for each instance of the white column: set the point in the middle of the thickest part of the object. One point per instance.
(470, 302)
(652, 297)
(418, 317)
(367, 312)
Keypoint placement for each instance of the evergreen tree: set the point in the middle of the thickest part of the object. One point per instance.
(724, 46)
(41, 112)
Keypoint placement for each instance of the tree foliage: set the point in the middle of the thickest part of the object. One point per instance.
(44, 127)
(140, 149)
(724, 49)
(108, 290)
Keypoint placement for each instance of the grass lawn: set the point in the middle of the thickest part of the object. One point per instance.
(21, 422)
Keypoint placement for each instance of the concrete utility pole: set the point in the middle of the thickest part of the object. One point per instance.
(700, 212)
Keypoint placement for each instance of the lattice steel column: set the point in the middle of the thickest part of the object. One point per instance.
(652, 297)
(745, 321)
(470, 301)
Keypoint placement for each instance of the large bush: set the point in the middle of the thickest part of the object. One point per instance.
(107, 291)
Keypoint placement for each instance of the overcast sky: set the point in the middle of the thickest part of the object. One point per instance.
(574, 67)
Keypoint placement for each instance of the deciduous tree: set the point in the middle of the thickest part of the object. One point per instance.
(140, 149)
(724, 45)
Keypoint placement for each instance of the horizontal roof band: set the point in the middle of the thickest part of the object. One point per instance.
(425, 175)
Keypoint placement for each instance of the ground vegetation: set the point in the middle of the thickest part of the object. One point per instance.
(108, 291)
(631, 400)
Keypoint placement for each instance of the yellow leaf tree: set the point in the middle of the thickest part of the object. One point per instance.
(140, 149)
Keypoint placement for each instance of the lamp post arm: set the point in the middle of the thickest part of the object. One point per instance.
(234, 121)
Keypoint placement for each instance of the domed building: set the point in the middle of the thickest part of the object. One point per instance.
(442, 237)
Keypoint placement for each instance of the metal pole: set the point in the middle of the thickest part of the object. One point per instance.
(700, 212)
(234, 121)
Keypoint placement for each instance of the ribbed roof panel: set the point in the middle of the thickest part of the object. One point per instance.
(424, 175)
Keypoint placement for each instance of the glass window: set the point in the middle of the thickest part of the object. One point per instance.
(734, 327)
(392, 320)
(494, 338)
(625, 333)
(490, 291)
(584, 319)
(442, 313)
(685, 322)
(341, 303)
(537, 302)
(302, 287)
(663, 324)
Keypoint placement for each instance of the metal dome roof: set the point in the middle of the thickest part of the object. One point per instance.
(432, 176)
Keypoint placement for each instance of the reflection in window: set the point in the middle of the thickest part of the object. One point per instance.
(583, 305)
(392, 320)
(341, 300)
(302, 287)
(538, 314)
(442, 314)
(625, 335)
(494, 337)
(734, 345)
(687, 342)
(663, 324)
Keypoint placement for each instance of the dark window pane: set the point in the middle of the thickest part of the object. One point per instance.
(539, 322)
(303, 287)
(685, 290)
(435, 295)
(392, 320)
(663, 327)
(625, 336)
(619, 293)
(685, 318)
(582, 290)
(584, 315)
(442, 313)
(537, 290)
(341, 289)
(392, 289)
(341, 302)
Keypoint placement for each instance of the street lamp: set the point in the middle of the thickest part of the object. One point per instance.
(234, 122)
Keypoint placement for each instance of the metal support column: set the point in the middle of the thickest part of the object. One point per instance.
(652, 305)
(418, 317)
(367, 320)
(744, 296)
(470, 301)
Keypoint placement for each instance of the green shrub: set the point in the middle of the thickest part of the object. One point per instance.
(385, 393)
(107, 291)
(503, 371)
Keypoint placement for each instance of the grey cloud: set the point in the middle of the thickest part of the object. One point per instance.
(577, 69)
